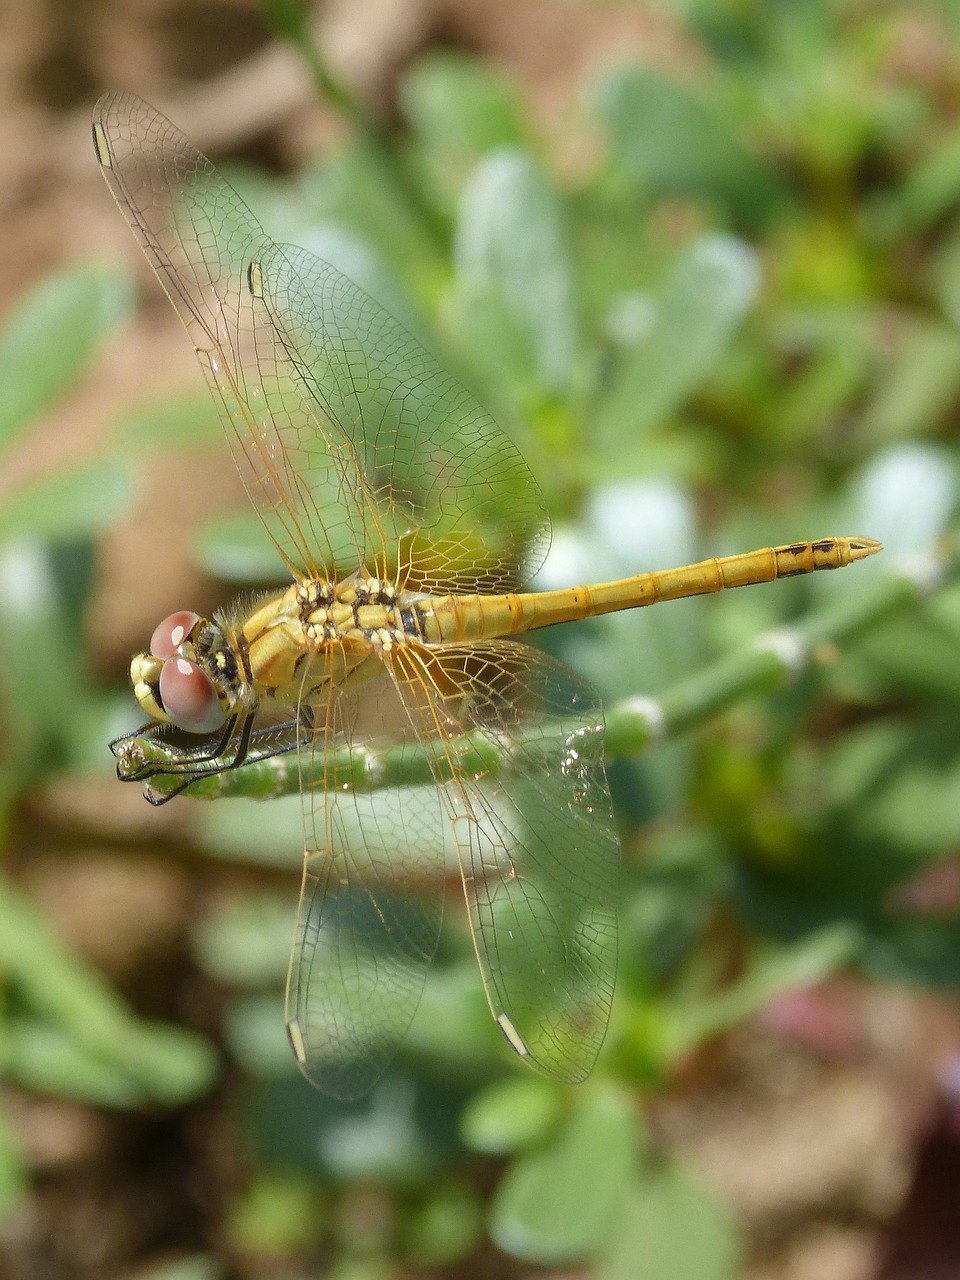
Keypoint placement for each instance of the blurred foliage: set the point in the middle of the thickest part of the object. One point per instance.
(64, 1029)
(745, 303)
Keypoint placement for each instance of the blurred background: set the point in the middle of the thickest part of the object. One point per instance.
(702, 261)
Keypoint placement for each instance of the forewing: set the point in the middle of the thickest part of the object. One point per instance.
(371, 901)
(203, 242)
(536, 839)
(355, 445)
(460, 509)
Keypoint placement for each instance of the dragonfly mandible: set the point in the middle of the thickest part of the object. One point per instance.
(410, 523)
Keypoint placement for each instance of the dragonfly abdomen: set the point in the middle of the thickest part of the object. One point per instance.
(464, 618)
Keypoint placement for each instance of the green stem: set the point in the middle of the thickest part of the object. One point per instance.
(771, 662)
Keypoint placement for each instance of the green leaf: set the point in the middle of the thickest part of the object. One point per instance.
(246, 940)
(510, 1115)
(460, 105)
(50, 339)
(918, 951)
(443, 1229)
(452, 1026)
(914, 656)
(860, 762)
(383, 1137)
(254, 1032)
(248, 831)
(289, 18)
(36, 640)
(75, 503)
(832, 348)
(942, 275)
(916, 810)
(178, 422)
(559, 1203)
(812, 958)
(171, 1064)
(459, 108)
(932, 189)
(81, 1021)
(667, 141)
(275, 1213)
(200, 1266)
(667, 903)
(513, 285)
(906, 496)
(42, 594)
(13, 1172)
(679, 339)
(165, 1065)
(917, 386)
(236, 548)
(46, 1059)
(364, 191)
(672, 1228)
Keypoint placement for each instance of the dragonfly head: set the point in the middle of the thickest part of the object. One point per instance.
(185, 677)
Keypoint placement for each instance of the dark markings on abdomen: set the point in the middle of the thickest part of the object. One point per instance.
(412, 619)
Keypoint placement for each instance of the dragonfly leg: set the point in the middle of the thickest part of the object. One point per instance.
(251, 746)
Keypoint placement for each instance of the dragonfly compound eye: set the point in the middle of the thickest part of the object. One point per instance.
(172, 632)
(189, 698)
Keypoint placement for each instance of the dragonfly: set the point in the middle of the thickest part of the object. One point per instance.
(410, 523)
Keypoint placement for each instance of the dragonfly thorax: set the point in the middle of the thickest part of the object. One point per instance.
(287, 636)
(362, 610)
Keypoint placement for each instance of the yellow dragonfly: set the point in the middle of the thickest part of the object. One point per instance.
(409, 522)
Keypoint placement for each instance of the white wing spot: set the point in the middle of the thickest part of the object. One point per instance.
(255, 279)
(100, 143)
(296, 1041)
(512, 1035)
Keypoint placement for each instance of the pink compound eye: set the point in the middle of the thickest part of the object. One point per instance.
(172, 632)
(188, 696)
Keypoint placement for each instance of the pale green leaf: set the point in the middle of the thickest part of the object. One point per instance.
(48, 342)
(559, 1203)
(691, 320)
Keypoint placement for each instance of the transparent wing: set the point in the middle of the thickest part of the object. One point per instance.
(457, 507)
(538, 848)
(535, 841)
(371, 901)
(355, 446)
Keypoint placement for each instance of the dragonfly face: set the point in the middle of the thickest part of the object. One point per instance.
(189, 677)
(409, 522)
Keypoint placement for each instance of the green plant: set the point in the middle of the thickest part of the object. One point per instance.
(735, 325)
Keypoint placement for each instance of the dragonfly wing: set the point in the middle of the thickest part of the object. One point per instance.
(349, 436)
(195, 230)
(536, 839)
(202, 241)
(457, 506)
(371, 902)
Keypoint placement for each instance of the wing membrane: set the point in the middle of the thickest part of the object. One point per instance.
(371, 901)
(455, 501)
(538, 857)
(356, 447)
(538, 849)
